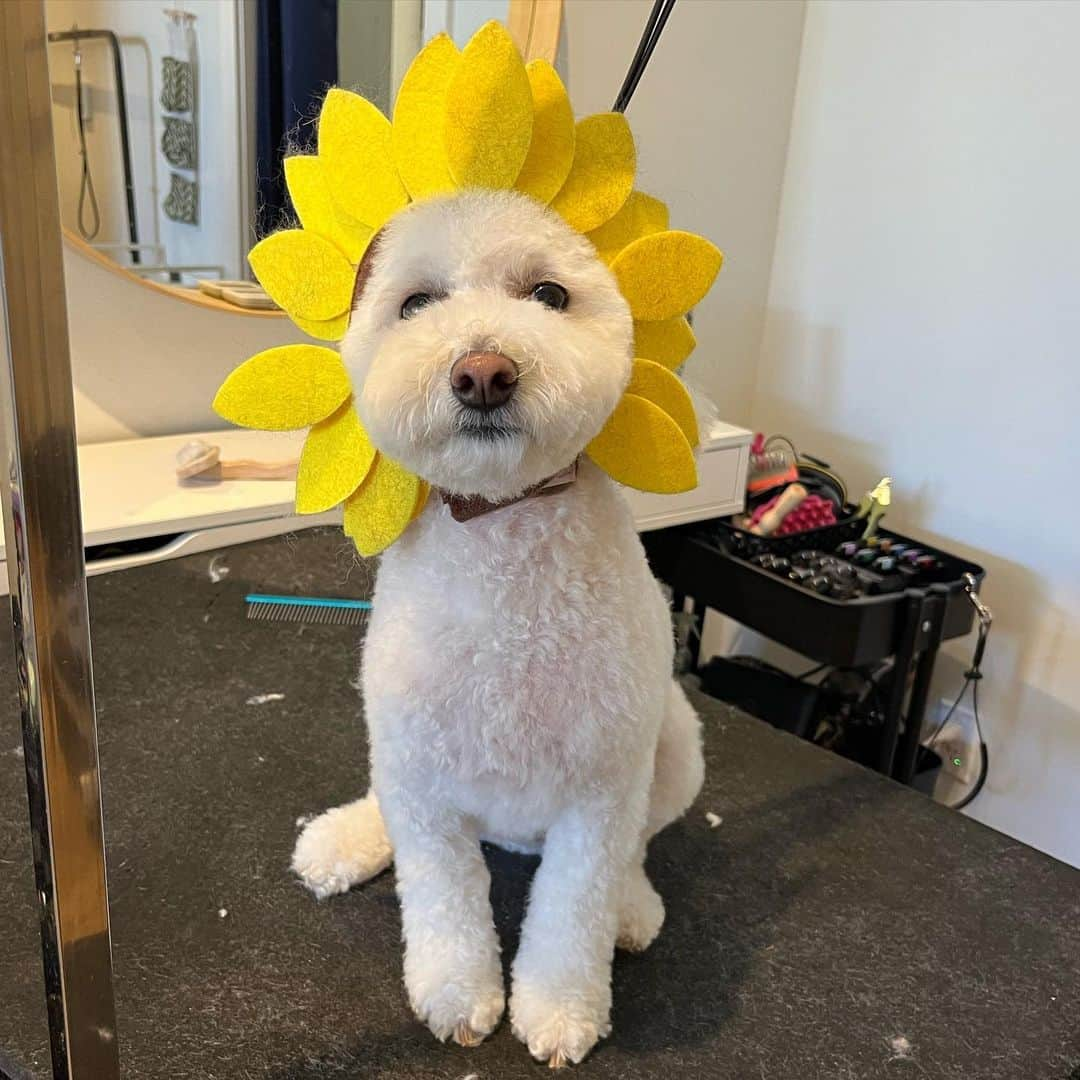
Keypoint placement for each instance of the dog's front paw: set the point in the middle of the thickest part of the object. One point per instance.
(341, 848)
(466, 1008)
(560, 1032)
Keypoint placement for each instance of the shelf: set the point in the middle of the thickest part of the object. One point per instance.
(130, 492)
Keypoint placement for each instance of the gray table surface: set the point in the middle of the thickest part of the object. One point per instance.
(835, 925)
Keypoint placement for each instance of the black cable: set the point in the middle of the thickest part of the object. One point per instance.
(968, 680)
(654, 26)
(971, 680)
(86, 184)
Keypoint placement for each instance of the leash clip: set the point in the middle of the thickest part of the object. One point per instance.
(986, 617)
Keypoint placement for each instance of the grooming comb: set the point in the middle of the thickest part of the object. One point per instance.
(328, 611)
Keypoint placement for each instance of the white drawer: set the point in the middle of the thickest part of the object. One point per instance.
(721, 488)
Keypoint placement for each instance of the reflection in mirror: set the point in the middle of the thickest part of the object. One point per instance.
(170, 123)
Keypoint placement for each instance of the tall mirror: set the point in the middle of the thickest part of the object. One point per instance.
(169, 122)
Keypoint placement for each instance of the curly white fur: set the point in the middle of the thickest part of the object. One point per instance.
(517, 671)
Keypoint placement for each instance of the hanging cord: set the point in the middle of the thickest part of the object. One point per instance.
(86, 184)
(661, 9)
(983, 753)
(971, 679)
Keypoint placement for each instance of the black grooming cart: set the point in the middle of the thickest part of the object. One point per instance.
(905, 618)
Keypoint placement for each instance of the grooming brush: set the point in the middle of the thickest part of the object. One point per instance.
(325, 610)
(198, 460)
(770, 465)
(813, 512)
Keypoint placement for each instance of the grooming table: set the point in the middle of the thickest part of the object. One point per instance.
(835, 925)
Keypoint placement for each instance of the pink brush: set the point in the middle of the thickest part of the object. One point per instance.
(812, 512)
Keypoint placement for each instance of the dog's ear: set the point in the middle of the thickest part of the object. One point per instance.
(363, 271)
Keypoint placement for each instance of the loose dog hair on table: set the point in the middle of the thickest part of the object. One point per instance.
(508, 344)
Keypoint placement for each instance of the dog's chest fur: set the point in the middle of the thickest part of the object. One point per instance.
(525, 646)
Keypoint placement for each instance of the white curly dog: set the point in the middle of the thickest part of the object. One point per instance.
(517, 670)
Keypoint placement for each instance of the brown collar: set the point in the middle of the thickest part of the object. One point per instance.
(467, 507)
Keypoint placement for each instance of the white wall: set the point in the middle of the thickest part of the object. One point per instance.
(924, 321)
(461, 18)
(711, 118)
(144, 33)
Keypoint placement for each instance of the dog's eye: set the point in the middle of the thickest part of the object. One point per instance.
(415, 303)
(551, 295)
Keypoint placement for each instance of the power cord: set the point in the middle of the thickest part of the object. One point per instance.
(968, 682)
(971, 679)
(984, 754)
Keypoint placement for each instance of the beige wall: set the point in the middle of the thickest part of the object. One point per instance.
(924, 322)
(148, 364)
(711, 117)
(365, 28)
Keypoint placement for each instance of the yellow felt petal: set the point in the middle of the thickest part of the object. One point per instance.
(330, 330)
(418, 139)
(655, 383)
(489, 111)
(602, 175)
(668, 342)
(377, 513)
(642, 447)
(336, 457)
(666, 274)
(291, 386)
(641, 215)
(305, 176)
(354, 146)
(421, 499)
(304, 274)
(551, 152)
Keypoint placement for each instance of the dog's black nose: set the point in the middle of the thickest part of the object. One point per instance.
(483, 380)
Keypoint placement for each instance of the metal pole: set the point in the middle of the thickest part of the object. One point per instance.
(47, 573)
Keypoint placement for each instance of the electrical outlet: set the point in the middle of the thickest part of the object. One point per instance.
(958, 743)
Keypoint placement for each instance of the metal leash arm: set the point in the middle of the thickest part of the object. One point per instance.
(86, 184)
(654, 27)
(46, 569)
(76, 35)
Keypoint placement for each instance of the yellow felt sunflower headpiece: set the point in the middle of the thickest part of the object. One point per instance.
(479, 117)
